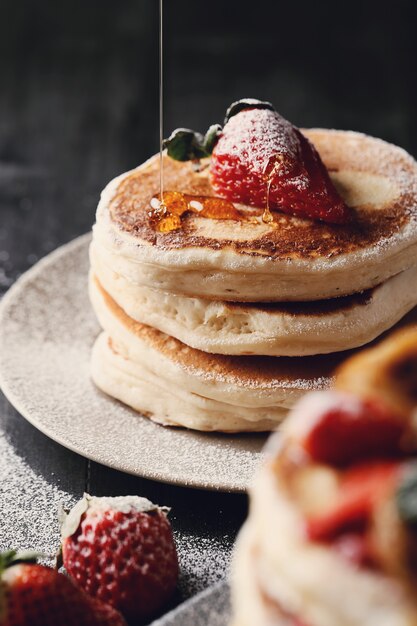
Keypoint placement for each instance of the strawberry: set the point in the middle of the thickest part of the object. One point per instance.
(361, 489)
(342, 428)
(258, 148)
(34, 595)
(260, 159)
(121, 551)
(355, 548)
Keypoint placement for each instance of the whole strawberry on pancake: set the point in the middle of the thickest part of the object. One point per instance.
(261, 160)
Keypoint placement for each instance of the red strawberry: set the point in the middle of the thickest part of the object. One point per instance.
(339, 428)
(257, 147)
(361, 488)
(121, 551)
(261, 159)
(355, 548)
(34, 595)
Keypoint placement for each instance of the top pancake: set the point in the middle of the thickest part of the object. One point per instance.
(294, 259)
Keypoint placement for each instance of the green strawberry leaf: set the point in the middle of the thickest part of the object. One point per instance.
(211, 137)
(246, 103)
(6, 558)
(406, 496)
(12, 557)
(185, 145)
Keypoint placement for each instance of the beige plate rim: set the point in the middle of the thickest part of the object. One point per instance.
(46, 332)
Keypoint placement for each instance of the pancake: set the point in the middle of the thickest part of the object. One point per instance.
(240, 393)
(329, 539)
(165, 403)
(274, 329)
(249, 600)
(310, 580)
(249, 261)
(246, 381)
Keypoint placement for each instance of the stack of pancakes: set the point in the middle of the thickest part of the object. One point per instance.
(223, 324)
(281, 576)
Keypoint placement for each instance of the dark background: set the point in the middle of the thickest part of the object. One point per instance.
(79, 104)
(79, 81)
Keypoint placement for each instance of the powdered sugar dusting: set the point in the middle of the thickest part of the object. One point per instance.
(386, 231)
(32, 522)
(377, 157)
(255, 383)
(124, 504)
(47, 327)
(204, 561)
(211, 608)
(29, 505)
(278, 137)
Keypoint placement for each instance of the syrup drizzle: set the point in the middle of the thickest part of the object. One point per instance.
(168, 207)
(161, 102)
(167, 216)
(269, 171)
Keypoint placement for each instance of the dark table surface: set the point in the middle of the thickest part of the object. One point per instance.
(78, 105)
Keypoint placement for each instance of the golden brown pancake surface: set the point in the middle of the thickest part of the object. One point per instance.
(251, 371)
(377, 179)
(308, 372)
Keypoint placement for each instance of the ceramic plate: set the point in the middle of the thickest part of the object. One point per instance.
(209, 608)
(47, 329)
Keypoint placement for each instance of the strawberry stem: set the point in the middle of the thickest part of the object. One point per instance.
(246, 103)
(211, 137)
(185, 144)
(12, 557)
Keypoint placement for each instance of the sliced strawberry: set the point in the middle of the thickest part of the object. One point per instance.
(346, 429)
(361, 488)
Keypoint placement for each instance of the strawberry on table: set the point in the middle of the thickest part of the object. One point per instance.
(121, 551)
(35, 595)
(260, 159)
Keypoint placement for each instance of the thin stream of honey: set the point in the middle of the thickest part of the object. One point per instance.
(161, 102)
(269, 172)
(267, 216)
(168, 207)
